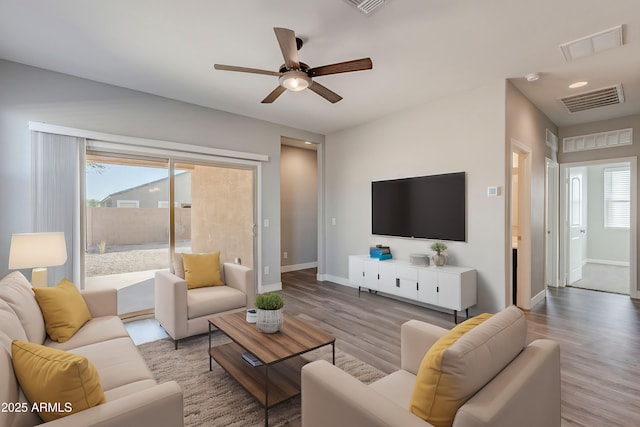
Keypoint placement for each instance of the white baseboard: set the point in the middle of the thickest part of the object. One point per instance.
(339, 280)
(296, 267)
(538, 298)
(608, 262)
(271, 287)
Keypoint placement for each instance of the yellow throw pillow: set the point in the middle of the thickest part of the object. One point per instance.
(57, 382)
(435, 397)
(63, 308)
(202, 270)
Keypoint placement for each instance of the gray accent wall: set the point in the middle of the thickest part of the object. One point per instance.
(33, 94)
(464, 132)
(527, 125)
(299, 205)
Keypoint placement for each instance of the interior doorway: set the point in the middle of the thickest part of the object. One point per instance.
(520, 191)
(299, 201)
(598, 248)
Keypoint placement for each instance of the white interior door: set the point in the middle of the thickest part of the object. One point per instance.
(551, 223)
(577, 223)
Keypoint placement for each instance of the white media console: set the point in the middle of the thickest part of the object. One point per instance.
(449, 287)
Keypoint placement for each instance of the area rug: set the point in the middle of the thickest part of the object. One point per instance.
(213, 398)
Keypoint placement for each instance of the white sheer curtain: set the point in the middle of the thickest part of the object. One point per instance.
(58, 177)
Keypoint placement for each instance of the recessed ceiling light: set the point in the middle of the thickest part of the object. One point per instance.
(308, 143)
(578, 84)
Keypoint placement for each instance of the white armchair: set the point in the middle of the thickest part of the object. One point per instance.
(185, 312)
(525, 391)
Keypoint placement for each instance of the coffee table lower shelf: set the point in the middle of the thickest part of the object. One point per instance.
(283, 377)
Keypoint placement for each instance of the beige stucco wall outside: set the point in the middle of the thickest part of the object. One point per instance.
(134, 226)
(222, 212)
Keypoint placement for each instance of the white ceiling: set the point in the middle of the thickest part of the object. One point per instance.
(422, 50)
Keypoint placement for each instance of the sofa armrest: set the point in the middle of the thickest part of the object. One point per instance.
(416, 338)
(171, 303)
(331, 397)
(101, 302)
(158, 406)
(241, 277)
(525, 393)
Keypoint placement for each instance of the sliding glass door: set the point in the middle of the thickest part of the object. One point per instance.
(127, 228)
(140, 211)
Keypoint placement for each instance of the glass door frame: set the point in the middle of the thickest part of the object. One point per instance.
(176, 153)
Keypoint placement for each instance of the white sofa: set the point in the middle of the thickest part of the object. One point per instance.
(185, 312)
(521, 388)
(133, 397)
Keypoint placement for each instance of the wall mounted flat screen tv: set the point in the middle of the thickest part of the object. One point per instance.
(427, 207)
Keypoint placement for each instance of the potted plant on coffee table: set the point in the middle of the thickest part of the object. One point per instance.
(269, 308)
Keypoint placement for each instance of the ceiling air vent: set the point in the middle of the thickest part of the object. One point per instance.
(594, 99)
(366, 6)
(590, 45)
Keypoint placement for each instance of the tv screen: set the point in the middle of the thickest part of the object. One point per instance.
(428, 207)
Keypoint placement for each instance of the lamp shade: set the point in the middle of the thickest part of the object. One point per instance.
(31, 250)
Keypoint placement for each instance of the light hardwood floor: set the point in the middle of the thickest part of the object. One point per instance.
(599, 336)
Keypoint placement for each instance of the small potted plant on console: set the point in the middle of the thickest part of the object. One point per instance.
(440, 258)
(269, 307)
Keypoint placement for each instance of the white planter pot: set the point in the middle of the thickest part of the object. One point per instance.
(269, 321)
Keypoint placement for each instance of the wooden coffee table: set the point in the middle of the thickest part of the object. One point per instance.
(278, 379)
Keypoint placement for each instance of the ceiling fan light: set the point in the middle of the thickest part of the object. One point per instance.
(295, 80)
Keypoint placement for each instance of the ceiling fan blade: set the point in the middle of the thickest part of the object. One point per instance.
(327, 94)
(341, 67)
(274, 95)
(287, 41)
(245, 70)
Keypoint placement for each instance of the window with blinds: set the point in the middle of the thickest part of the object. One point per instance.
(617, 191)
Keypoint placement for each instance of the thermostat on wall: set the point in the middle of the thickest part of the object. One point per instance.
(492, 191)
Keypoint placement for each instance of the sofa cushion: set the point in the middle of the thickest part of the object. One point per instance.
(397, 387)
(10, 392)
(178, 265)
(55, 377)
(463, 361)
(202, 270)
(117, 361)
(63, 308)
(11, 327)
(216, 299)
(96, 330)
(16, 291)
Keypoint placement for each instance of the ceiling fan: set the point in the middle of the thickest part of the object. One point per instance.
(295, 75)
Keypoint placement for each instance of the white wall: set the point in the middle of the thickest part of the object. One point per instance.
(32, 94)
(464, 132)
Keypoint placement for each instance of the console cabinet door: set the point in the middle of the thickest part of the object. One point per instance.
(388, 276)
(406, 282)
(371, 275)
(428, 286)
(356, 271)
(449, 290)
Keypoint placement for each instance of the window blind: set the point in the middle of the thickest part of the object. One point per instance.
(617, 190)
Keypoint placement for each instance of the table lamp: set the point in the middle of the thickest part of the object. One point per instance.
(37, 251)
